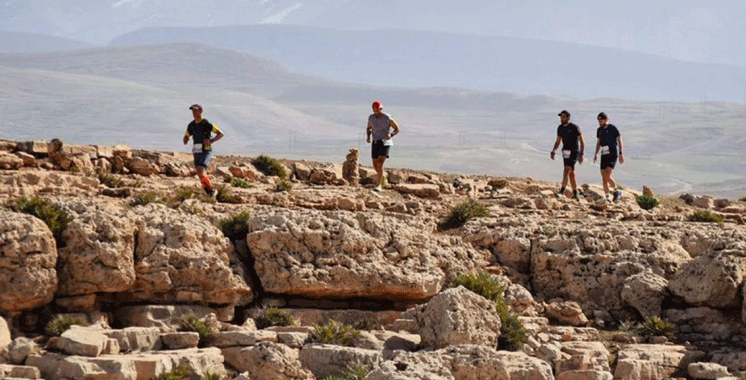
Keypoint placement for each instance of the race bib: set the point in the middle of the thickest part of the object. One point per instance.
(566, 154)
(605, 150)
(197, 148)
(388, 142)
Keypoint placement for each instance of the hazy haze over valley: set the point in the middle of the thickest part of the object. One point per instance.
(481, 101)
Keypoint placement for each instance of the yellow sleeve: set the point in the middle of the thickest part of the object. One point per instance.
(187, 134)
(215, 129)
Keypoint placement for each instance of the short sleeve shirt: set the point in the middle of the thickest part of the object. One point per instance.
(569, 134)
(607, 138)
(380, 125)
(201, 131)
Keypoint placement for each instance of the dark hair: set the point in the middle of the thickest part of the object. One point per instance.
(602, 116)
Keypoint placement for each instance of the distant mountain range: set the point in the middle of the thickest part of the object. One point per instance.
(18, 42)
(424, 59)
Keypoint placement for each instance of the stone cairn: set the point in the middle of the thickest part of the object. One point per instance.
(350, 169)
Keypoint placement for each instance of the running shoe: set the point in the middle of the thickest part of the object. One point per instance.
(608, 197)
(378, 188)
(617, 195)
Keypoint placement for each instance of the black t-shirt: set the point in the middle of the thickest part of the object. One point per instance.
(570, 134)
(608, 139)
(201, 131)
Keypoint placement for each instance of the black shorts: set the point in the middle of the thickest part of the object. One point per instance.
(570, 161)
(608, 161)
(379, 149)
(203, 159)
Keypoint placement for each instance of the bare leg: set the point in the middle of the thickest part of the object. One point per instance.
(381, 160)
(566, 176)
(379, 170)
(204, 178)
(606, 177)
(573, 182)
(612, 183)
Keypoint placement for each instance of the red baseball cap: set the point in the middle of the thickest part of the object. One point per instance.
(377, 105)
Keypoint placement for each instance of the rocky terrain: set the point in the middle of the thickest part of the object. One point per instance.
(316, 276)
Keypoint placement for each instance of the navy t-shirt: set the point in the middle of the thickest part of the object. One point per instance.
(608, 138)
(201, 131)
(570, 134)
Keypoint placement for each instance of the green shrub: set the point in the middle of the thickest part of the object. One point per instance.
(358, 371)
(145, 198)
(54, 216)
(177, 373)
(270, 166)
(366, 324)
(187, 192)
(481, 283)
(655, 326)
(462, 212)
(224, 195)
(647, 202)
(234, 227)
(333, 333)
(109, 180)
(238, 182)
(705, 216)
(190, 322)
(212, 376)
(284, 186)
(62, 323)
(273, 316)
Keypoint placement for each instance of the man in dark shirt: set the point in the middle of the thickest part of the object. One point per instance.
(201, 130)
(569, 134)
(607, 138)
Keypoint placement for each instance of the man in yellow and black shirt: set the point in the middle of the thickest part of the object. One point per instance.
(201, 130)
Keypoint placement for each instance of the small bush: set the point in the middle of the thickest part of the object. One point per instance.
(462, 212)
(512, 332)
(51, 214)
(190, 322)
(235, 227)
(270, 166)
(238, 182)
(145, 198)
(655, 326)
(177, 373)
(481, 283)
(224, 195)
(186, 192)
(109, 180)
(366, 324)
(62, 323)
(647, 202)
(333, 333)
(705, 216)
(284, 186)
(274, 317)
(358, 371)
(212, 376)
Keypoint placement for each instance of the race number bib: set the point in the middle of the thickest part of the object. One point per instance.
(197, 148)
(605, 150)
(566, 154)
(388, 142)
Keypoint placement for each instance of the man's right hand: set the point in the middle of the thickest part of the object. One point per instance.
(186, 140)
(595, 158)
(551, 154)
(368, 140)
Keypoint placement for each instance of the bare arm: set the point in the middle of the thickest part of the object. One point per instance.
(369, 130)
(621, 149)
(598, 147)
(186, 137)
(218, 135)
(393, 124)
(582, 148)
(556, 145)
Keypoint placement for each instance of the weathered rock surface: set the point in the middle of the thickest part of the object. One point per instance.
(28, 255)
(712, 279)
(342, 254)
(456, 316)
(331, 360)
(645, 292)
(267, 360)
(651, 362)
(18, 372)
(82, 341)
(708, 371)
(5, 340)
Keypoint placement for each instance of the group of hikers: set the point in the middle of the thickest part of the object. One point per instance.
(382, 128)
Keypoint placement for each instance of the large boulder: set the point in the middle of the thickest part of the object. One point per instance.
(142, 166)
(183, 258)
(711, 280)
(28, 278)
(267, 360)
(645, 292)
(331, 360)
(343, 254)
(98, 256)
(10, 161)
(82, 341)
(654, 362)
(456, 316)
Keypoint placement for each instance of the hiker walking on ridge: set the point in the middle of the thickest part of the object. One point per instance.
(570, 135)
(607, 138)
(201, 131)
(380, 127)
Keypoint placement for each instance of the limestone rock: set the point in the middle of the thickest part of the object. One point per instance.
(136, 339)
(653, 362)
(99, 252)
(331, 360)
(180, 257)
(456, 316)
(267, 360)
(567, 312)
(302, 171)
(166, 317)
(419, 190)
(646, 191)
(4, 335)
(242, 338)
(180, 340)
(10, 161)
(351, 168)
(342, 254)
(28, 278)
(645, 292)
(28, 160)
(37, 148)
(711, 280)
(82, 341)
(20, 348)
(704, 201)
(707, 371)
(19, 372)
(584, 375)
(142, 167)
(734, 361)
(577, 356)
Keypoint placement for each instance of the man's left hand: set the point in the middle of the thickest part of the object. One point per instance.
(581, 159)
